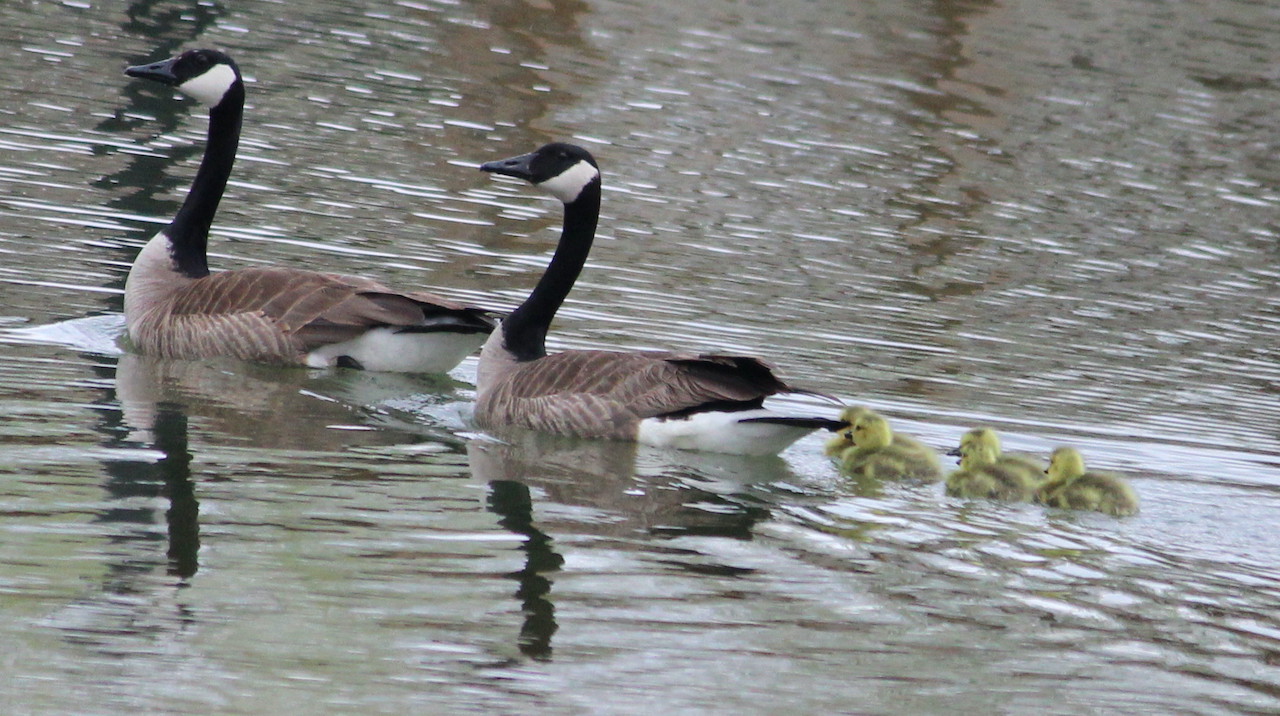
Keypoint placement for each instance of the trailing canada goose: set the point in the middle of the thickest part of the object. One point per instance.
(698, 402)
(1069, 486)
(175, 308)
(986, 472)
(878, 452)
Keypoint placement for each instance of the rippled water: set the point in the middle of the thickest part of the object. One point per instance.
(1058, 219)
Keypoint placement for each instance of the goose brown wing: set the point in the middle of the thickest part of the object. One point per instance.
(320, 308)
(607, 393)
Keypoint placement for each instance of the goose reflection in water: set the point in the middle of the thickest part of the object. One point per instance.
(270, 406)
(140, 590)
(541, 485)
(162, 424)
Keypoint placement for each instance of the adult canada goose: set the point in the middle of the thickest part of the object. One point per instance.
(986, 472)
(1069, 486)
(175, 308)
(698, 402)
(879, 452)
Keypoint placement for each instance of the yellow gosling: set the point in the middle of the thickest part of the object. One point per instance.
(986, 473)
(879, 453)
(843, 439)
(1070, 487)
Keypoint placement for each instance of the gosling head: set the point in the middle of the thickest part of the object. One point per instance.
(872, 431)
(851, 413)
(980, 446)
(563, 170)
(1065, 464)
(209, 76)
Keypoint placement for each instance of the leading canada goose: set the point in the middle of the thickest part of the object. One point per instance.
(1070, 487)
(175, 308)
(698, 402)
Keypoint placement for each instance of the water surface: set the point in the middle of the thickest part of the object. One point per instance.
(1056, 220)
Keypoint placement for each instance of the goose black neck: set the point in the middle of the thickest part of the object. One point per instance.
(524, 332)
(189, 231)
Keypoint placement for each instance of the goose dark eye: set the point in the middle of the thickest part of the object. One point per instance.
(198, 62)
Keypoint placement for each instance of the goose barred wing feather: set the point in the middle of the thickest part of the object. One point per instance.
(286, 312)
(607, 394)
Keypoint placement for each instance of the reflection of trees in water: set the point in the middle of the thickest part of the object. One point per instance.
(169, 23)
(529, 33)
(956, 140)
(627, 502)
(498, 86)
(937, 230)
(135, 188)
(517, 46)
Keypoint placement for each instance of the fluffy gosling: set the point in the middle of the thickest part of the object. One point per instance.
(878, 452)
(1070, 487)
(843, 439)
(986, 473)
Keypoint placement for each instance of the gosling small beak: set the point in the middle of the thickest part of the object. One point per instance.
(954, 452)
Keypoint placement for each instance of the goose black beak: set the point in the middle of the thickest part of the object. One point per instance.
(161, 72)
(954, 452)
(518, 167)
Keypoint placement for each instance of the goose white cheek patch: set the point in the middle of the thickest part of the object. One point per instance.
(210, 87)
(568, 184)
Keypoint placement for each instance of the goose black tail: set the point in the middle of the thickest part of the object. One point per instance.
(811, 423)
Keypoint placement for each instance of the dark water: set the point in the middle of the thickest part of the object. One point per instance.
(1059, 219)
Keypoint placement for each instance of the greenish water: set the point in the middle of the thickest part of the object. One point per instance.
(1057, 220)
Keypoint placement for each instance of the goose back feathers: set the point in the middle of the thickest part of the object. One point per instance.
(176, 308)
(279, 315)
